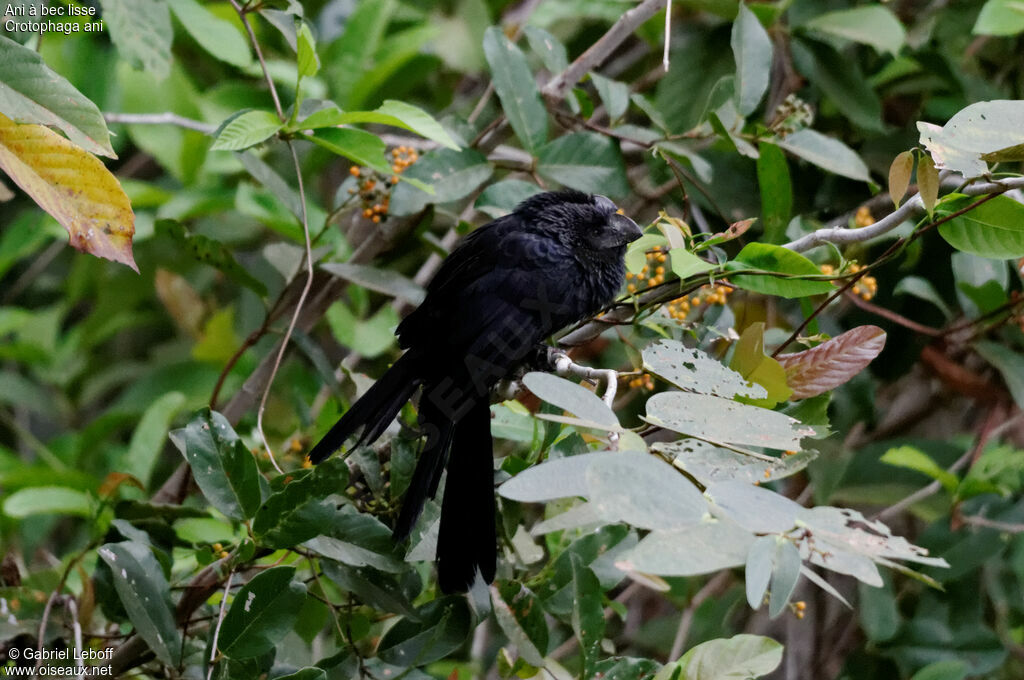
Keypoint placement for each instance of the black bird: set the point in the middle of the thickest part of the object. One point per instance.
(557, 259)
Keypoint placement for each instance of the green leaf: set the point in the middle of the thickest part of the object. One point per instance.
(442, 626)
(1000, 17)
(585, 161)
(916, 459)
(387, 282)
(222, 466)
(32, 93)
(145, 594)
(300, 510)
(262, 613)
(776, 191)
(517, 89)
(211, 252)
(995, 229)
(571, 397)
(501, 198)
(307, 60)
(614, 95)
(873, 25)
(218, 37)
(549, 48)
(750, 361)
(685, 264)
(1010, 365)
(950, 669)
(360, 147)
(48, 500)
(587, 614)
(984, 132)
(150, 435)
(391, 112)
(692, 369)
(521, 618)
(722, 420)
(752, 50)
(357, 540)
(742, 656)
(245, 130)
(141, 31)
(758, 572)
(827, 153)
(452, 174)
(841, 79)
(923, 289)
(769, 258)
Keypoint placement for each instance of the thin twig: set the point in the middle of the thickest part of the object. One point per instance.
(595, 55)
(220, 621)
(298, 308)
(243, 14)
(898, 319)
(1007, 527)
(167, 118)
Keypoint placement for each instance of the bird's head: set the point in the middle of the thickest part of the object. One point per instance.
(588, 220)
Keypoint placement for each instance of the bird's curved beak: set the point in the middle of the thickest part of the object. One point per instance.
(626, 229)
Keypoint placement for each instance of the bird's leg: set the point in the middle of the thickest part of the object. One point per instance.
(564, 366)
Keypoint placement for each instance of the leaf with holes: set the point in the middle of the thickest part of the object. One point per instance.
(73, 186)
(692, 369)
(832, 363)
(723, 420)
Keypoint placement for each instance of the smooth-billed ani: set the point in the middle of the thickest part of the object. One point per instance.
(557, 259)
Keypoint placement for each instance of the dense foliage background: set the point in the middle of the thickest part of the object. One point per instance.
(295, 171)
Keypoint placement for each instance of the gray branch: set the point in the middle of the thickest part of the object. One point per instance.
(911, 208)
(167, 118)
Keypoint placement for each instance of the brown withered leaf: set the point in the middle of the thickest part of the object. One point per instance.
(72, 185)
(832, 363)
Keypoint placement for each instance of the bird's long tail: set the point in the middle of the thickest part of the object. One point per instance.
(375, 410)
(467, 542)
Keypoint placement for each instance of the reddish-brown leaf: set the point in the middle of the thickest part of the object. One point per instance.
(830, 364)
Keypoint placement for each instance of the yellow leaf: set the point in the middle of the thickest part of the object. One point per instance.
(219, 341)
(928, 182)
(899, 176)
(73, 186)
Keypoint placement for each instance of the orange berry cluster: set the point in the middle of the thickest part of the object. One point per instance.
(863, 218)
(644, 380)
(652, 273)
(798, 608)
(705, 295)
(219, 552)
(865, 288)
(374, 189)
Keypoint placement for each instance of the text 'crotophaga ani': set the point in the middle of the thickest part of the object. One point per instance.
(557, 259)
